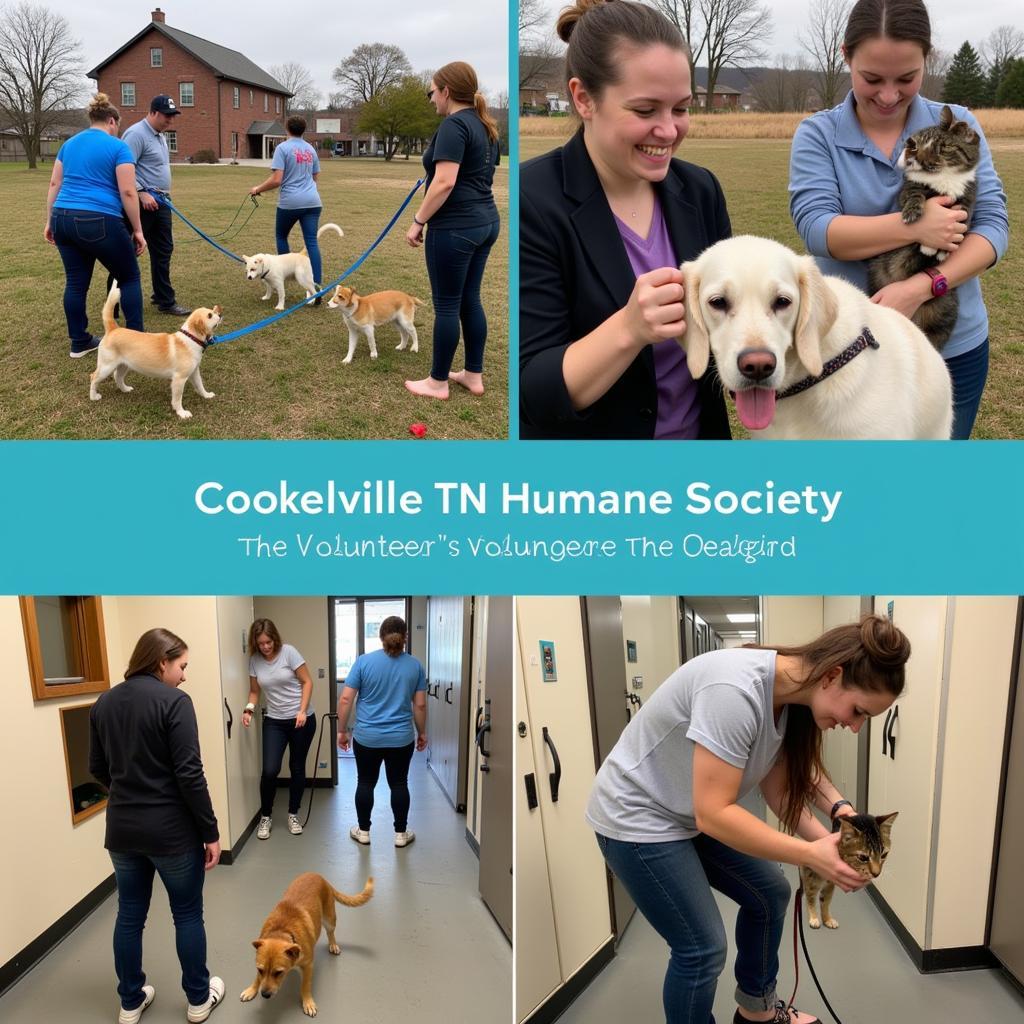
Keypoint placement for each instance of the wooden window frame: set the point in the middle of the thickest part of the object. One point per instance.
(172, 141)
(156, 52)
(124, 101)
(91, 645)
(236, 97)
(76, 816)
(181, 95)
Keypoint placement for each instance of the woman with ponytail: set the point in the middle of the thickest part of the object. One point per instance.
(392, 689)
(464, 223)
(665, 803)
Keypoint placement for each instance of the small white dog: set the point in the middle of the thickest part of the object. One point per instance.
(365, 312)
(807, 356)
(176, 355)
(274, 269)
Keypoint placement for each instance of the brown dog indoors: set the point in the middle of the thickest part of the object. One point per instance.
(289, 934)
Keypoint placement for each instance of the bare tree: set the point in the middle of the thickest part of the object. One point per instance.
(823, 42)
(299, 82)
(935, 67)
(41, 72)
(535, 18)
(686, 16)
(1002, 45)
(369, 68)
(735, 34)
(785, 87)
(335, 101)
(540, 63)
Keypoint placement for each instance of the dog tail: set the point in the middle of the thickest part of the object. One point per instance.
(329, 227)
(417, 302)
(355, 901)
(109, 323)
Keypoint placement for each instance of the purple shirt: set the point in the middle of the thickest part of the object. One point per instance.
(678, 407)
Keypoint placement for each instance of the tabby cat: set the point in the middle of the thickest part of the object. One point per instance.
(936, 161)
(864, 844)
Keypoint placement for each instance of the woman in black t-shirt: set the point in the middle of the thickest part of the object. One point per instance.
(464, 223)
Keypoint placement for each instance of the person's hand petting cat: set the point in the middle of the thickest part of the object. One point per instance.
(822, 857)
(942, 224)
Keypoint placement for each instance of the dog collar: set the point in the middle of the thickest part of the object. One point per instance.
(199, 341)
(863, 340)
(264, 274)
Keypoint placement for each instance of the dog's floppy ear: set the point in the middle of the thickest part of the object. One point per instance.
(292, 951)
(695, 338)
(818, 311)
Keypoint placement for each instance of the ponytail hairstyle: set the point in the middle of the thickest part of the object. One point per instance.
(259, 627)
(102, 110)
(872, 654)
(902, 20)
(460, 80)
(393, 630)
(153, 647)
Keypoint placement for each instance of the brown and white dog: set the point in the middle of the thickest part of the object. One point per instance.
(365, 312)
(273, 269)
(176, 355)
(288, 937)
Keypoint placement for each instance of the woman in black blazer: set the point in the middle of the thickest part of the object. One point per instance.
(593, 331)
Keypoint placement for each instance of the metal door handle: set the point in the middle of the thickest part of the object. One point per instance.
(480, 733)
(555, 777)
(892, 726)
(231, 717)
(448, 690)
(885, 733)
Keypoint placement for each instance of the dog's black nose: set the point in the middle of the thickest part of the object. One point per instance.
(756, 363)
(266, 995)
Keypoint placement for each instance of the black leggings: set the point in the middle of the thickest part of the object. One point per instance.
(396, 762)
(279, 733)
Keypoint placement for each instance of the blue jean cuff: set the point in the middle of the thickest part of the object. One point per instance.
(756, 1004)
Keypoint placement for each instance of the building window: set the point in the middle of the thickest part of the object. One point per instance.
(127, 94)
(250, 97)
(172, 141)
(156, 56)
(234, 144)
(186, 94)
(88, 797)
(277, 103)
(266, 102)
(66, 647)
(236, 97)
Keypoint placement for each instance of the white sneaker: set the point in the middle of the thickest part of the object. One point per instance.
(294, 825)
(404, 838)
(263, 829)
(132, 1016)
(199, 1013)
(359, 835)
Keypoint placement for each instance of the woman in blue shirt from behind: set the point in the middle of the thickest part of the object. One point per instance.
(92, 190)
(845, 183)
(392, 699)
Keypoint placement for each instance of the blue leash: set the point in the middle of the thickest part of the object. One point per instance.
(242, 331)
(164, 201)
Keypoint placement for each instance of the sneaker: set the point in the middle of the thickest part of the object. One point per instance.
(132, 1016)
(83, 348)
(294, 825)
(199, 1013)
(359, 835)
(176, 310)
(404, 838)
(263, 828)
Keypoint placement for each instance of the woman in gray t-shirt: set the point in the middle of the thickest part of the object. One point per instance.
(279, 671)
(665, 803)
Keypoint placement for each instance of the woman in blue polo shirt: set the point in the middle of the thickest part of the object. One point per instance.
(464, 224)
(92, 190)
(295, 169)
(392, 708)
(844, 185)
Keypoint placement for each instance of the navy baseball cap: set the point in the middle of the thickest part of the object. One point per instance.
(164, 105)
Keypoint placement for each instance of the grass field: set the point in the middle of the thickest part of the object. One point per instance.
(285, 381)
(754, 176)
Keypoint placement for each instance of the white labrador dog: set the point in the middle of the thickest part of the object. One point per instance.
(273, 269)
(774, 323)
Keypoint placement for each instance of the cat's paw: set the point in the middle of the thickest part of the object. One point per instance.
(927, 250)
(941, 257)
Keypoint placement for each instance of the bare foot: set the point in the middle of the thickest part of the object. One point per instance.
(428, 388)
(472, 382)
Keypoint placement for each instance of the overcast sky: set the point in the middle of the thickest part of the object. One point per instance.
(317, 35)
(953, 21)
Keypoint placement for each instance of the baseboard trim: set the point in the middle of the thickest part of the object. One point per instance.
(20, 964)
(230, 856)
(559, 1001)
(473, 844)
(326, 783)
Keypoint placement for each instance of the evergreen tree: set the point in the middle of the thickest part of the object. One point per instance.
(965, 80)
(993, 79)
(1011, 89)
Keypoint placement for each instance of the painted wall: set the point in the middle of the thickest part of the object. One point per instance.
(653, 622)
(840, 745)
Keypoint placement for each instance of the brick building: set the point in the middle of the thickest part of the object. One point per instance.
(228, 104)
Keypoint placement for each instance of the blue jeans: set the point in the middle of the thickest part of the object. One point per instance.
(279, 733)
(307, 220)
(396, 761)
(456, 258)
(969, 371)
(671, 885)
(182, 875)
(83, 237)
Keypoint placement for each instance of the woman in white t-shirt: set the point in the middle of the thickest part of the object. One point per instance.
(665, 803)
(279, 671)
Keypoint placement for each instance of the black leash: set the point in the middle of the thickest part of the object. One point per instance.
(798, 923)
(331, 716)
(223, 235)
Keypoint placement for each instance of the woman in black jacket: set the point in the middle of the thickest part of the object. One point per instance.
(144, 747)
(605, 222)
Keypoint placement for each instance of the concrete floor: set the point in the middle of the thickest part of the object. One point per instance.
(865, 973)
(425, 949)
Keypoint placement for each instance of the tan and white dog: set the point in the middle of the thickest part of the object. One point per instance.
(176, 355)
(774, 323)
(274, 269)
(365, 312)
(289, 935)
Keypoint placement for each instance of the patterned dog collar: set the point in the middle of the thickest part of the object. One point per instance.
(863, 340)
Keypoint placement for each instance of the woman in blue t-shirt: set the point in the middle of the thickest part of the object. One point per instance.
(92, 190)
(464, 223)
(295, 169)
(392, 708)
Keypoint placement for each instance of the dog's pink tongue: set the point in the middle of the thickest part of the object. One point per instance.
(755, 407)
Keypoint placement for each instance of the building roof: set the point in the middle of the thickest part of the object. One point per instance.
(265, 128)
(219, 59)
(720, 90)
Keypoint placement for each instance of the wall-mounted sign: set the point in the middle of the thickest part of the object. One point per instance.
(547, 661)
(631, 650)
